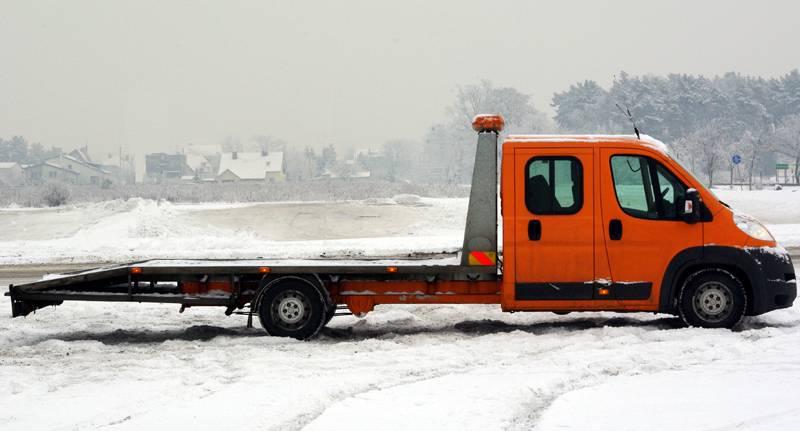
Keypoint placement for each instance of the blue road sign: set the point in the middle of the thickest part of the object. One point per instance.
(736, 159)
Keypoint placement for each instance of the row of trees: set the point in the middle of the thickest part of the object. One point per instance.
(18, 149)
(706, 120)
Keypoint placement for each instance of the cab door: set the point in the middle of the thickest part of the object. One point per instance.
(554, 236)
(642, 202)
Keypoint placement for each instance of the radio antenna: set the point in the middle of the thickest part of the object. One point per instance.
(627, 112)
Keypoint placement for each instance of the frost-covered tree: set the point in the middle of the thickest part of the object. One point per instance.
(583, 108)
(18, 149)
(401, 157)
(680, 108)
(449, 148)
(231, 143)
(328, 158)
(269, 143)
(787, 141)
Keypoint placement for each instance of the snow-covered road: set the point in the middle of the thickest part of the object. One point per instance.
(130, 366)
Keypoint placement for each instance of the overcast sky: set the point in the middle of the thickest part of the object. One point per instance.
(147, 75)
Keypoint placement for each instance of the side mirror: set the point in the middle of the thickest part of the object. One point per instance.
(691, 206)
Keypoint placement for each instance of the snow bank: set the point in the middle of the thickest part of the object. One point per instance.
(138, 229)
(121, 231)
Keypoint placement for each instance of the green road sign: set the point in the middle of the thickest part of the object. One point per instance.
(781, 166)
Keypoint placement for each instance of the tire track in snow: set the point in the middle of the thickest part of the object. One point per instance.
(700, 356)
(413, 378)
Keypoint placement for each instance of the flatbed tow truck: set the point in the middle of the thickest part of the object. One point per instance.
(591, 223)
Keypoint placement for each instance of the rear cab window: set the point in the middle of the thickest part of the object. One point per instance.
(554, 185)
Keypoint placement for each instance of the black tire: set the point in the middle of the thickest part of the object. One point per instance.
(292, 307)
(712, 298)
(330, 312)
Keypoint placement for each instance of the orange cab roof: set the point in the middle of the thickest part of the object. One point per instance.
(645, 140)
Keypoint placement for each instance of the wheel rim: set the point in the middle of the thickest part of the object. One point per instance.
(290, 310)
(713, 301)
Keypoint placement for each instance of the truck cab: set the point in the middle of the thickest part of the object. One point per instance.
(615, 223)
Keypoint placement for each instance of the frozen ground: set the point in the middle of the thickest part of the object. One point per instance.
(129, 366)
(135, 366)
(121, 231)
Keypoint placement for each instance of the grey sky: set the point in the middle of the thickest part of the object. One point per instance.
(147, 75)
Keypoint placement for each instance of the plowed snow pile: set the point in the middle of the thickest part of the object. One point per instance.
(121, 231)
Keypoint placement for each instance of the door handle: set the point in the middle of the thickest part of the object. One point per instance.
(615, 229)
(534, 230)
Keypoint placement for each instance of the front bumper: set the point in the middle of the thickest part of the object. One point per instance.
(776, 285)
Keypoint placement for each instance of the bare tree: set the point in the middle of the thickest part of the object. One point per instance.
(713, 143)
(269, 143)
(684, 151)
(787, 141)
(751, 146)
(55, 195)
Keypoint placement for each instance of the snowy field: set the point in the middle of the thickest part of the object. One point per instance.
(136, 229)
(131, 366)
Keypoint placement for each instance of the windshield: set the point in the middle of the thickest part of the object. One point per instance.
(694, 180)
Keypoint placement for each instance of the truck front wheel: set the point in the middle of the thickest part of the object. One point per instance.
(712, 298)
(292, 308)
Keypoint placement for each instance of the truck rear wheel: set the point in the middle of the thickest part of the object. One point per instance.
(712, 298)
(292, 308)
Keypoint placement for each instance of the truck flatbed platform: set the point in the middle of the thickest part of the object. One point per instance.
(224, 282)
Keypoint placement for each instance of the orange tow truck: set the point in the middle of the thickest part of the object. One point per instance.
(590, 223)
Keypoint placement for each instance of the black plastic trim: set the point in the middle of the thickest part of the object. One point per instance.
(764, 272)
(577, 291)
(553, 291)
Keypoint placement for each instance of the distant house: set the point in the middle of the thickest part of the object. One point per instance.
(251, 166)
(115, 167)
(165, 167)
(50, 172)
(11, 174)
(201, 166)
(119, 166)
(88, 173)
(376, 162)
(203, 159)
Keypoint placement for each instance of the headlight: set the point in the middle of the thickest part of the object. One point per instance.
(752, 227)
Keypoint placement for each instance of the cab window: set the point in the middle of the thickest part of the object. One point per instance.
(554, 185)
(646, 189)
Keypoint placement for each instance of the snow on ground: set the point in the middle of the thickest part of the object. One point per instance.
(121, 231)
(143, 366)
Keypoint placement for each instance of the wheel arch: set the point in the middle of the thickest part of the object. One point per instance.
(695, 259)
